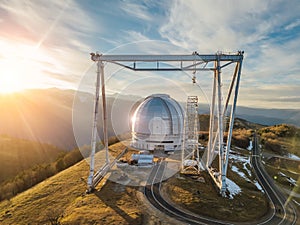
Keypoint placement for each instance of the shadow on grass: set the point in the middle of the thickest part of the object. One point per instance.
(115, 196)
(203, 198)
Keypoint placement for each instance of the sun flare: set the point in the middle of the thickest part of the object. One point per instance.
(18, 71)
(11, 77)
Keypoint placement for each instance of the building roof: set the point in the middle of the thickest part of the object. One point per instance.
(158, 114)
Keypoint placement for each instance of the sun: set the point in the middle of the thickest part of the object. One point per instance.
(18, 71)
(11, 79)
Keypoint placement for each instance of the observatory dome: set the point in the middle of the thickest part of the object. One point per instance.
(157, 124)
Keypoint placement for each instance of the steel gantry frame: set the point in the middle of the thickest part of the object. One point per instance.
(192, 62)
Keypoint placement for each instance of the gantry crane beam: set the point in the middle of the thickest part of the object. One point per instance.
(193, 62)
(185, 62)
(168, 58)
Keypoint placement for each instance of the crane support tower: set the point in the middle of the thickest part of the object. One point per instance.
(218, 109)
(190, 154)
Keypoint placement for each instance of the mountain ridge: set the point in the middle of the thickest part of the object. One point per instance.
(47, 115)
(17, 155)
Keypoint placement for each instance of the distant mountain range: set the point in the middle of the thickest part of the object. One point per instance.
(46, 115)
(263, 116)
(269, 116)
(39, 115)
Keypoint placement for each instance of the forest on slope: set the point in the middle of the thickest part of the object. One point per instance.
(17, 155)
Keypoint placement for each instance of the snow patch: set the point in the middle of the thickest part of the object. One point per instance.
(233, 188)
(245, 160)
(243, 175)
(250, 146)
(282, 174)
(258, 186)
(235, 169)
(296, 202)
(292, 156)
(292, 181)
(289, 179)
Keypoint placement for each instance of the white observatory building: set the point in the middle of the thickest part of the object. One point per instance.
(157, 124)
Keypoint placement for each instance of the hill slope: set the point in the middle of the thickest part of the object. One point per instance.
(19, 154)
(39, 115)
(62, 197)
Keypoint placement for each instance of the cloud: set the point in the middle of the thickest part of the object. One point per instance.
(52, 18)
(292, 25)
(270, 96)
(134, 36)
(62, 33)
(214, 25)
(136, 10)
(261, 28)
(55, 28)
(225, 25)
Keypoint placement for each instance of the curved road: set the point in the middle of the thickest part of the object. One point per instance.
(282, 214)
(152, 192)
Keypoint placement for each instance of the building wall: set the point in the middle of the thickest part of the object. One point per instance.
(158, 124)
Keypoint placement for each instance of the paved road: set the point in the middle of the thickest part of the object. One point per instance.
(283, 214)
(152, 192)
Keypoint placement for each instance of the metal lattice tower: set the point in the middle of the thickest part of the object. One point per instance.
(190, 153)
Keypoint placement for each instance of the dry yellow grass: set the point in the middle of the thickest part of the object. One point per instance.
(62, 196)
(203, 199)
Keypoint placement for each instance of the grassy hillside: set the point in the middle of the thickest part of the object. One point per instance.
(279, 142)
(241, 134)
(239, 123)
(201, 198)
(281, 139)
(17, 155)
(62, 198)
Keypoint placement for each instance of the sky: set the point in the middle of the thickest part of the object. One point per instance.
(47, 44)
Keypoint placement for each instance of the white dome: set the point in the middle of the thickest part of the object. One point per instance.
(158, 124)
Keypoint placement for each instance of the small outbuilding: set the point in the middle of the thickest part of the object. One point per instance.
(143, 160)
